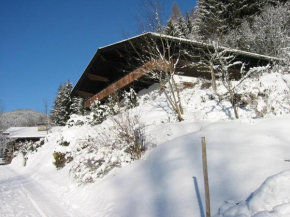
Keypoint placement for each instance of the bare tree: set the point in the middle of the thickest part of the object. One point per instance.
(3, 138)
(157, 57)
(222, 65)
(1, 114)
(175, 13)
(45, 105)
(204, 60)
(225, 62)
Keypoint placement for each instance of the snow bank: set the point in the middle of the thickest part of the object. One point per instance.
(273, 195)
(270, 199)
(169, 182)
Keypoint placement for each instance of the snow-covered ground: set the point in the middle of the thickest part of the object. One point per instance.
(168, 180)
(22, 196)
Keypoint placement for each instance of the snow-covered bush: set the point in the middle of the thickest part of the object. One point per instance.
(62, 153)
(28, 147)
(98, 113)
(93, 159)
(130, 131)
(59, 160)
(4, 144)
(77, 120)
(77, 106)
(96, 155)
(113, 104)
(130, 99)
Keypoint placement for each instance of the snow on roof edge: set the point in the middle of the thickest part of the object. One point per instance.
(241, 52)
(28, 132)
(127, 39)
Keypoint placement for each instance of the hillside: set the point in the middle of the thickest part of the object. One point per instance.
(169, 181)
(21, 118)
(99, 173)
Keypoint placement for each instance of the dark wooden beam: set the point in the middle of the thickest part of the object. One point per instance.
(128, 79)
(84, 94)
(93, 77)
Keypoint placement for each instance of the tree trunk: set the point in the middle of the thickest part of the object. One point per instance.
(213, 79)
(178, 96)
(179, 116)
(233, 103)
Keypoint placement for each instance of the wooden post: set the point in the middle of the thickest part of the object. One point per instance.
(205, 174)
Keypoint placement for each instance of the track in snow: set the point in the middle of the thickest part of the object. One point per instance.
(21, 196)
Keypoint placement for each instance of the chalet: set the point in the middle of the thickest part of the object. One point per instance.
(120, 65)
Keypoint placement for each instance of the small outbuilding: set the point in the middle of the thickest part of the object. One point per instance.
(25, 133)
(22, 134)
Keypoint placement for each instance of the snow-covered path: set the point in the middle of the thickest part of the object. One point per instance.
(21, 196)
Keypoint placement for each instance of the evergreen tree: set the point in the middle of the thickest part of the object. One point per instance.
(113, 104)
(267, 34)
(61, 108)
(182, 27)
(189, 26)
(215, 18)
(77, 106)
(131, 99)
(172, 28)
(177, 26)
(99, 112)
(208, 19)
(235, 12)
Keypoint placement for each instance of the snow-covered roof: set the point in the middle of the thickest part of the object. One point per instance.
(28, 132)
(197, 44)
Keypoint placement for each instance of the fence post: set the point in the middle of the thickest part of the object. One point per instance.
(205, 174)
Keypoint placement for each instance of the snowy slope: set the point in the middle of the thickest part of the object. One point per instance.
(168, 180)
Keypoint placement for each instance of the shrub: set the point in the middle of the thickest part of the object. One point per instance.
(28, 147)
(131, 99)
(98, 113)
(93, 159)
(59, 160)
(205, 85)
(131, 132)
(188, 85)
(64, 143)
(112, 147)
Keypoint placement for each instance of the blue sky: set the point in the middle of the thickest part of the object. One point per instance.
(45, 43)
